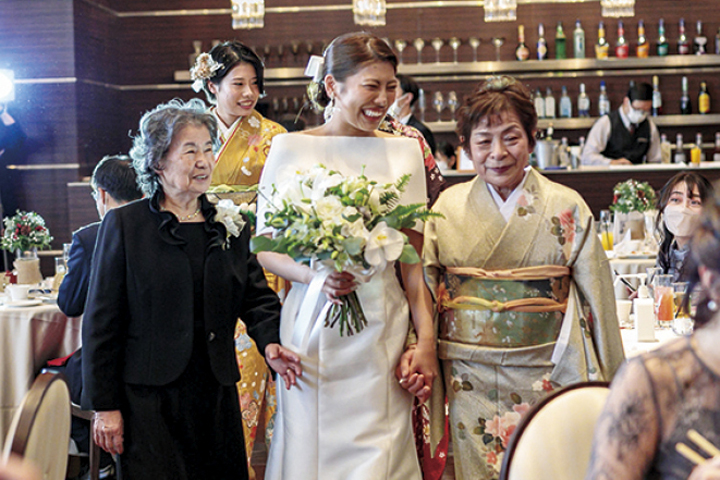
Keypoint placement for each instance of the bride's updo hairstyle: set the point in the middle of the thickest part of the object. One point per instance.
(705, 251)
(344, 57)
(229, 54)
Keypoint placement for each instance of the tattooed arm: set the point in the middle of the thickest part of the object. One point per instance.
(627, 433)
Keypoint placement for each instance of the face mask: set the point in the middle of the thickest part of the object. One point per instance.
(395, 110)
(442, 165)
(680, 220)
(637, 116)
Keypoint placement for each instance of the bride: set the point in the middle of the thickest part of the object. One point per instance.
(348, 417)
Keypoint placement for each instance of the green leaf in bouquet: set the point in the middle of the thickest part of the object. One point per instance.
(261, 244)
(409, 255)
(353, 245)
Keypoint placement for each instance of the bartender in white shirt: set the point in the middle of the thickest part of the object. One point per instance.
(626, 136)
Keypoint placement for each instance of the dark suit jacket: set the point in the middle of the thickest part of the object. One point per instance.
(429, 138)
(74, 287)
(138, 325)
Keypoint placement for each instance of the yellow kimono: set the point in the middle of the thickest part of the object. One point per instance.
(242, 155)
(239, 162)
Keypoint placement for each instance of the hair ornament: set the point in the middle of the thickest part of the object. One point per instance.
(205, 68)
(314, 68)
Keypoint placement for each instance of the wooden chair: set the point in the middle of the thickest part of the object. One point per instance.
(94, 457)
(40, 428)
(553, 441)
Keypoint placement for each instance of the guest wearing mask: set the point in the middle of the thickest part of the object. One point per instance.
(407, 94)
(679, 206)
(626, 136)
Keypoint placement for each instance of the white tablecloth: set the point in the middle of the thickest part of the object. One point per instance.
(632, 347)
(29, 337)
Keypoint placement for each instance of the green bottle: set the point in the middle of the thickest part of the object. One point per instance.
(560, 43)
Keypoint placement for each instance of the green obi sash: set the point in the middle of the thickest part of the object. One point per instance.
(506, 309)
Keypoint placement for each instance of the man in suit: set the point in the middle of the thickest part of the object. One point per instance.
(113, 184)
(407, 95)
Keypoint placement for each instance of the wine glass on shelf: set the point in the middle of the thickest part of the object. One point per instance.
(400, 45)
(295, 49)
(474, 42)
(438, 104)
(267, 50)
(455, 44)
(309, 48)
(452, 102)
(280, 53)
(419, 44)
(497, 43)
(437, 44)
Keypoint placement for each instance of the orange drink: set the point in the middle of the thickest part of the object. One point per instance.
(607, 240)
(665, 304)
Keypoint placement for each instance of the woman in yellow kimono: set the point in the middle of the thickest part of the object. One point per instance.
(231, 76)
(520, 278)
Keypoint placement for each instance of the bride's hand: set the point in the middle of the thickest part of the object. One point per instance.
(413, 362)
(338, 284)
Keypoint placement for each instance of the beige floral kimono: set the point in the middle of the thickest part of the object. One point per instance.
(239, 162)
(526, 306)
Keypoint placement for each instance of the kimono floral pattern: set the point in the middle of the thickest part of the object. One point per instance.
(487, 429)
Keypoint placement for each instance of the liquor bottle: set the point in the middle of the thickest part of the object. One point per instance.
(643, 47)
(716, 155)
(603, 100)
(579, 40)
(549, 103)
(522, 52)
(565, 104)
(539, 103)
(665, 149)
(679, 156)
(656, 97)
(685, 106)
(560, 47)
(542, 49)
(683, 42)
(622, 49)
(663, 47)
(583, 102)
(564, 153)
(700, 41)
(703, 99)
(549, 132)
(699, 145)
(602, 46)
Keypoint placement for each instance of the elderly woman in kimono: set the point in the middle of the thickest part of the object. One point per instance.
(231, 75)
(520, 278)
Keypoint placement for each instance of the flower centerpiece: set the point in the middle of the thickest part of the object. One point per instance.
(347, 223)
(24, 232)
(633, 196)
(634, 204)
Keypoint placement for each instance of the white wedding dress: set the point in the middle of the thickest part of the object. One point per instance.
(347, 418)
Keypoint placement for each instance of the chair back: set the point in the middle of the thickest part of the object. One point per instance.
(553, 441)
(40, 429)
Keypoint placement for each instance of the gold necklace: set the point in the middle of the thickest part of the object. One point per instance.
(181, 218)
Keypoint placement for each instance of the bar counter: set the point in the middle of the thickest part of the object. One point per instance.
(596, 184)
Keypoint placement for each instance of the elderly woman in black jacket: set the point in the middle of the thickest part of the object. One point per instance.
(171, 276)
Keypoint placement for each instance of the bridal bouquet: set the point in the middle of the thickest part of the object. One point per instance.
(348, 223)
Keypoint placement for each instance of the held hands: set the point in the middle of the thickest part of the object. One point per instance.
(108, 431)
(418, 368)
(284, 362)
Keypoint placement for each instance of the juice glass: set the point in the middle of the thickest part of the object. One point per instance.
(664, 300)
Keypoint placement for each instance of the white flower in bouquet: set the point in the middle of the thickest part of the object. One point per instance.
(384, 245)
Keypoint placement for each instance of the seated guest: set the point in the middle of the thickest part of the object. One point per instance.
(657, 397)
(408, 92)
(170, 277)
(626, 136)
(679, 206)
(445, 156)
(114, 184)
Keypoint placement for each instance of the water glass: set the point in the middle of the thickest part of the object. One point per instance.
(66, 252)
(60, 266)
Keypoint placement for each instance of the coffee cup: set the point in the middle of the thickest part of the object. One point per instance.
(18, 293)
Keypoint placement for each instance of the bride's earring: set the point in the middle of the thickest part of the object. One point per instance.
(330, 110)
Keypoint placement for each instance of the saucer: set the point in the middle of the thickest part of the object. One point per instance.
(23, 303)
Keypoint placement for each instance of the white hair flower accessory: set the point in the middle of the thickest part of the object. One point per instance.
(229, 215)
(205, 67)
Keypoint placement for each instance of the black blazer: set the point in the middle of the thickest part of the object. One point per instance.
(74, 287)
(138, 324)
(429, 137)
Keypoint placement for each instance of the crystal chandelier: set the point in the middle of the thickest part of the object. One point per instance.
(248, 14)
(500, 10)
(369, 13)
(618, 8)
